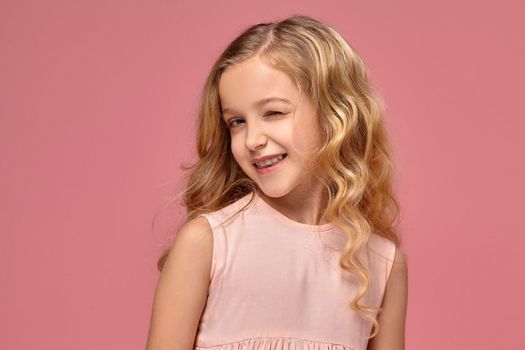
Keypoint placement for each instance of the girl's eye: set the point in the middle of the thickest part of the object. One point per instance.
(232, 124)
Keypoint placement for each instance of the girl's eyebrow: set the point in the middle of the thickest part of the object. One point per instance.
(262, 102)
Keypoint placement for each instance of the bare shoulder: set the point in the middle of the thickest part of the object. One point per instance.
(400, 265)
(199, 228)
(194, 240)
(393, 316)
(182, 288)
(397, 285)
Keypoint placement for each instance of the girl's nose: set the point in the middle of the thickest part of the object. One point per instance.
(255, 138)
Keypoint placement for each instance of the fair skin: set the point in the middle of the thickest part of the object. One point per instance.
(391, 334)
(257, 131)
(182, 289)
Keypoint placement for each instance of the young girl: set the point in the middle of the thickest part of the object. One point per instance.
(289, 241)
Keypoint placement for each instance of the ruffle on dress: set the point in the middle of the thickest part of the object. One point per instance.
(275, 343)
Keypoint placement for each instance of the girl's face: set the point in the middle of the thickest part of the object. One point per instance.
(261, 127)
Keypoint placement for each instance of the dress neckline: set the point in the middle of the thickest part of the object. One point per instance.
(288, 221)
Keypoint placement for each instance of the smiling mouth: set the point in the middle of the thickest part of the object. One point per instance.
(271, 164)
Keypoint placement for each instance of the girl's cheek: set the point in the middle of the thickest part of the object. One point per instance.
(236, 151)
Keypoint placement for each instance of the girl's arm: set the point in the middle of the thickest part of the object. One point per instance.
(391, 334)
(182, 288)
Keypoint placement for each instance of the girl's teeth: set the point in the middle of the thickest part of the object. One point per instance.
(268, 162)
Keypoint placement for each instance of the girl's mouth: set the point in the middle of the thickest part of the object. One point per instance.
(271, 167)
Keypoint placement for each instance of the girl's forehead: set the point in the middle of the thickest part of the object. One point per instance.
(248, 82)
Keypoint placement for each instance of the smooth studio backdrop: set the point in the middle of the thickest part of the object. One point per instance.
(97, 107)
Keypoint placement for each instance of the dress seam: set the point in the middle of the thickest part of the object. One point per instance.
(276, 337)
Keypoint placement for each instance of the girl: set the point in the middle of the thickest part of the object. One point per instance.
(289, 241)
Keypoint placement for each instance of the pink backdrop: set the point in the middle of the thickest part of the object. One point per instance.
(97, 100)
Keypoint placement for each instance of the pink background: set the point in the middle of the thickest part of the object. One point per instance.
(97, 104)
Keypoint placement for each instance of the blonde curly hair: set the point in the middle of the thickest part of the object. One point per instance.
(355, 160)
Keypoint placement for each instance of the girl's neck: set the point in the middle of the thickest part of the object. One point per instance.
(302, 206)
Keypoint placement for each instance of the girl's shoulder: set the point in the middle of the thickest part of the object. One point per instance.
(382, 247)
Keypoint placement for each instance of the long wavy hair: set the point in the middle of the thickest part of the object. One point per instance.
(356, 167)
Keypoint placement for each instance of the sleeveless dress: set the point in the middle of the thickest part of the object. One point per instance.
(275, 283)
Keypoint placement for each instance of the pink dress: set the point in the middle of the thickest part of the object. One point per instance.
(275, 283)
